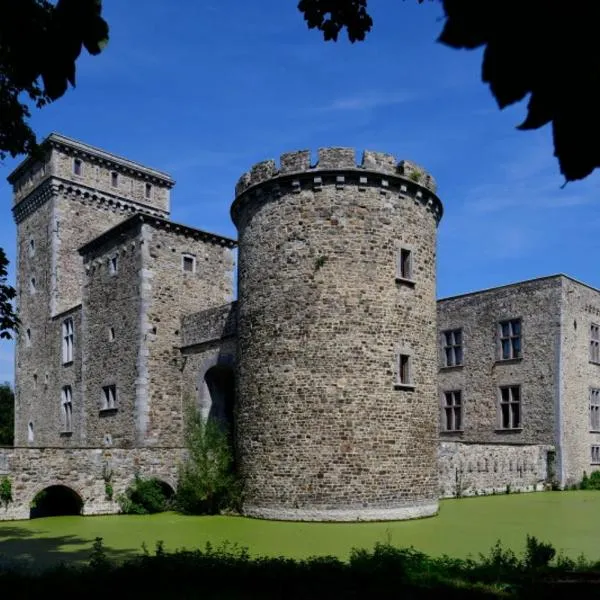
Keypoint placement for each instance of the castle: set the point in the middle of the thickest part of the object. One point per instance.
(352, 394)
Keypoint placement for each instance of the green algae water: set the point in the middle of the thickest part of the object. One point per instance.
(466, 526)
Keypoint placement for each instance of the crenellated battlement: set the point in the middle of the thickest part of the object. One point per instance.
(335, 159)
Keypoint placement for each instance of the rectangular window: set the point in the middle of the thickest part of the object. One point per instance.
(31, 247)
(114, 179)
(113, 265)
(148, 190)
(405, 270)
(67, 408)
(77, 166)
(510, 339)
(452, 346)
(510, 407)
(594, 343)
(452, 417)
(67, 340)
(109, 397)
(111, 334)
(595, 455)
(404, 370)
(189, 263)
(595, 409)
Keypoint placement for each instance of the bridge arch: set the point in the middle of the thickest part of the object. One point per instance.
(55, 500)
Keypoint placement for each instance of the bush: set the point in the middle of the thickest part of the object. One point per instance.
(207, 483)
(144, 497)
(538, 554)
(5, 491)
(592, 482)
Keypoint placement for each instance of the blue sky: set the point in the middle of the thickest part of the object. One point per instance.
(203, 90)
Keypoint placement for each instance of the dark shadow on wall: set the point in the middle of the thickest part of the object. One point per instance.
(55, 501)
(220, 380)
(21, 547)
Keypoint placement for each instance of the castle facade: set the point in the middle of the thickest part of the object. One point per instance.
(351, 393)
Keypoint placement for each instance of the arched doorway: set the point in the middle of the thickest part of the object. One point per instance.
(56, 500)
(221, 387)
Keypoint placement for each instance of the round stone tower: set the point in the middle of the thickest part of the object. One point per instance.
(337, 413)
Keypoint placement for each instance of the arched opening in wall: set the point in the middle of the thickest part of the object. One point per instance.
(54, 501)
(221, 387)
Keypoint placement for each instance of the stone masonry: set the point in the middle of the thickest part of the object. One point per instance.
(349, 395)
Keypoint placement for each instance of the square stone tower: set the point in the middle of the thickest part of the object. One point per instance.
(63, 199)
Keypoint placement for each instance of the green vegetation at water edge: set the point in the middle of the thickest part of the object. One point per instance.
(467, 526)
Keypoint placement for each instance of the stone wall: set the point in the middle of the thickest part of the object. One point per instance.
(479, 469)
(579, 310)
(171, 293)
(85, 471)
(325, 429)
(112, 339)
(537, 304)
(209, 325)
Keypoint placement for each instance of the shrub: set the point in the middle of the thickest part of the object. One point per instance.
(5, 491)
(538, 554)
(144, 497)
(207, 484)
(591, 482)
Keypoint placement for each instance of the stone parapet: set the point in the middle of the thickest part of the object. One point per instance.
(209, 325)
(482, 469)
(295, 171)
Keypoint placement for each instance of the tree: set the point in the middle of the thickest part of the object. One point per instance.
(39, 44)
(7, 415)
(547, 49)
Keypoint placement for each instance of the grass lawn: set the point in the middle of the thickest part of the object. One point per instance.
(569, 520)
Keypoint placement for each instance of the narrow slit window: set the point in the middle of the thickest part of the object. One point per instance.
(28, 337)
(114, 179)
(111, 334)
(31, 247)
(148, 190)
(32, 285)
(67, 408)
(77, 166)
(405, 270)
(68, 339)
(30, 432)
(113, 265)
(404, 370)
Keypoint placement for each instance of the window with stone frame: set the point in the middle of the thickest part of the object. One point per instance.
(148, 190)
(510, 407)
(188, 263)
(114, 179)
(66, 402)
(452, 342)
(405, 264)
(452, 410)
(109, 397)
(404, 377)
(68, 339)
(595, 455)
(594, 343)
(30, 436)
(510, 338)
(595, 409)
